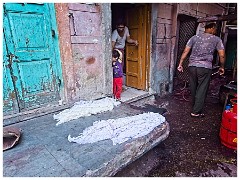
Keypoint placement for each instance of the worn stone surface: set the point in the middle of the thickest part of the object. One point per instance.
(44, 149)
(131, 151)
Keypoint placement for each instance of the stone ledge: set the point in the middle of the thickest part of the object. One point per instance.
(132, 151)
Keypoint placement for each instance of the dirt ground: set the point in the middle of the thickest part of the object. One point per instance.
(193, 148)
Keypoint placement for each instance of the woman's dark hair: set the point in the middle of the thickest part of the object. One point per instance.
(120, 22)
(115, 54)
(210, 25)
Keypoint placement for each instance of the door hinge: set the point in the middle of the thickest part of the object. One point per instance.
(73, 23)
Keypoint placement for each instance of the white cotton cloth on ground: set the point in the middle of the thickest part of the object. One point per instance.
(119, 130)
(86, 108)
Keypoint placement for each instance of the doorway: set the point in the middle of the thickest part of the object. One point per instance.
(136, 58)
(187, 26)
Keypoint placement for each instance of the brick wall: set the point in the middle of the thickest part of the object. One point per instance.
(164, 31)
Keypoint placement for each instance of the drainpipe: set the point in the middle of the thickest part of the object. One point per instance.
(173, 46)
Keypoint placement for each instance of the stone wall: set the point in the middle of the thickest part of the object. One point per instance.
(86, 37)
(201, 9)
(85, 50)
(162, 45)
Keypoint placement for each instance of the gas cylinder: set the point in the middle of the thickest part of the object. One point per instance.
(228, 130)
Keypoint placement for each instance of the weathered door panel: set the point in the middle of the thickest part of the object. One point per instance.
(30, 38)
(9, 96)
(135, 55)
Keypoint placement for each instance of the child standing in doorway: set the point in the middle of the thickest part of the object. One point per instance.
(117, 73)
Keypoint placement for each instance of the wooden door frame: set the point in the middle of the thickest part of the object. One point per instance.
(148, 48)
(147, 41)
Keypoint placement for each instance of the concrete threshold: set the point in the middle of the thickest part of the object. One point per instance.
(130, 95)
(139, 98)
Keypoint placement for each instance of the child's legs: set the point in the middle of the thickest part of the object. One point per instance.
(118, 87)
(114, 87)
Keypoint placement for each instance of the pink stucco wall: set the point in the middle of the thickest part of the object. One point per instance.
(86, 37)
(80, 37)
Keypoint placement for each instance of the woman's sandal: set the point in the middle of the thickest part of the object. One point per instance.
(197, 115)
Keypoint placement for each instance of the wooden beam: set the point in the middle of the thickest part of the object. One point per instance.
(218, 18)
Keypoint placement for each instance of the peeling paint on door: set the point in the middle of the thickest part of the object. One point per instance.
(32, 55)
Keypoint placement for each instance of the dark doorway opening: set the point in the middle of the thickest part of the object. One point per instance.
(187, 27)
(119, 11)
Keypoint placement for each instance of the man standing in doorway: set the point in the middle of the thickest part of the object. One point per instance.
(120, 36)
(200, 64)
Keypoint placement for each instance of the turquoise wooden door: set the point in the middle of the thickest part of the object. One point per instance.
(9, 96)
(32, 71)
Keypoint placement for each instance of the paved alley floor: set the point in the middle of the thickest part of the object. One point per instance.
(193, 148)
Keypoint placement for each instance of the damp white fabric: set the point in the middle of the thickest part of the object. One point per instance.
(119, 130)
(86, 108)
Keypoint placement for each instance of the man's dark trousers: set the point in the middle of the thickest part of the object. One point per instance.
(199, 79)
